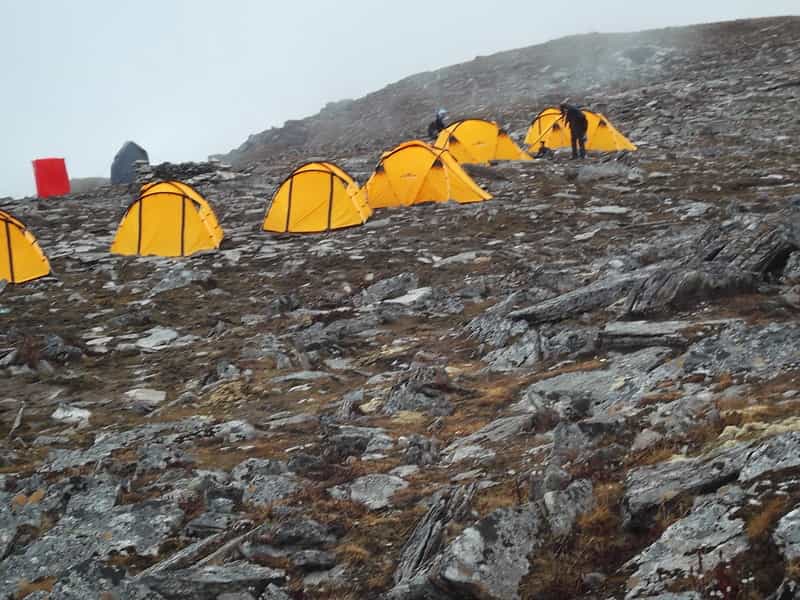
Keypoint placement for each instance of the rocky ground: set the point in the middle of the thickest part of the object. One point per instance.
(587, 387)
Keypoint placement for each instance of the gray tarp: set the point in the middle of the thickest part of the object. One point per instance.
(122, 169)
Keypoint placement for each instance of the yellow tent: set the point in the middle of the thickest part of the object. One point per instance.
(169, 218)
(415, 172)
(21, 258)
(318, 196)
(479, 141)
(549, 127)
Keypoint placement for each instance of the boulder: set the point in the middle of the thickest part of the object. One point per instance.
(489, 559)
(710, 529)
(373, 491)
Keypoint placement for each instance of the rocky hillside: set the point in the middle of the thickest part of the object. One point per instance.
(645, 82)
(586, 387)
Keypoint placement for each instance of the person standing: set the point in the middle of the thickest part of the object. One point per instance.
(578, 125)
(438, 124)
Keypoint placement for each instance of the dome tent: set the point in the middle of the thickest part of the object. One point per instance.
(415, 172)
(317, 196)
(21, 258)
(476, 141)
(168, 218)
(550, 129)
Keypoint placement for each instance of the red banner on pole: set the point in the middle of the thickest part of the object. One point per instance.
(51, 177)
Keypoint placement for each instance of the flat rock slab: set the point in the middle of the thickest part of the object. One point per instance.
(146, 396)
(646, 329)
(304, 420)
(776, 454)
(71, 415)
(157, 338)
(265, 490)
(209, 582)
(619, 384)
(608, 210)
(138, 529)
(651, 486)
(302, 376)
(496, 431)
(471, 452)
(373, 491)
(461, 258)
(761, 350)
(412, 297)
(710, 528)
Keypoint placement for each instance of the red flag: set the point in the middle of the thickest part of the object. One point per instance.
(51, 177)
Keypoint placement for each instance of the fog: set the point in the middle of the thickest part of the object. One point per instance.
(189, 78)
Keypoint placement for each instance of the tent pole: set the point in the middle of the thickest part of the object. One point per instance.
(289, 206)
(139, 232)
(330, 202)
(10, 254)
(183, 224)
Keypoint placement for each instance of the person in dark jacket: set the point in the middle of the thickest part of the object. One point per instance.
(436, 126)
(544, 152)
(578, 125)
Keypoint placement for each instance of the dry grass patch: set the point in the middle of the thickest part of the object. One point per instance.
(268, 447)
(589, 365)
(26, 588)
(504, 495)
(654, 455)
(655, 398)
(725, 381)
(793, 570)
(411, 496)
(604, 519)
(760, 524)
(775, 411)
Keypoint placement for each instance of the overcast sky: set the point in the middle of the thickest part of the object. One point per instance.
(189, 78)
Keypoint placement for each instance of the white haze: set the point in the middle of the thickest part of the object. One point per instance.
(189, 78)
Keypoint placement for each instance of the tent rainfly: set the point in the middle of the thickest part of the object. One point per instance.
(317, 196)
(21, 258)
(415, 172)
(168, 218)
(550, 129)
(478, 141)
